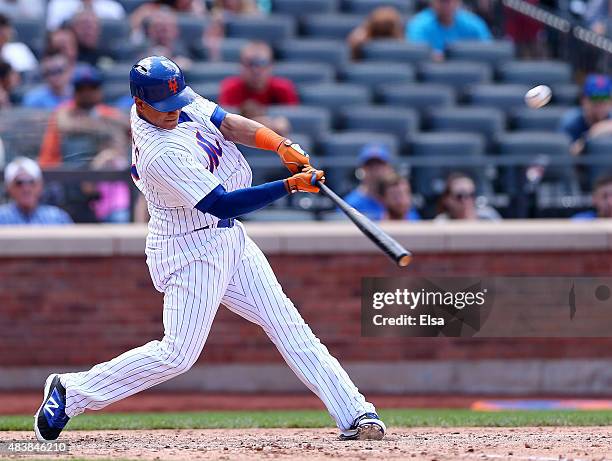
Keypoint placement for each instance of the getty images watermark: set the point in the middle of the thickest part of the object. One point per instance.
(487, 307)
(413, 300)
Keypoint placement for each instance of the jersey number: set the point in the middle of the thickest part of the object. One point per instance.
(213, 151)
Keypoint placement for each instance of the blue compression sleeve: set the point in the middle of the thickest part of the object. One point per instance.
(218, 116)
(223, 204)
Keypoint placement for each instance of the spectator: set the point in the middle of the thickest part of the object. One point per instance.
(445, 22)
(596, 15)
(256, 81)
(458, 201)
(9, 80)
(146, 11)
(83, 126)
(17, 54)
(63, 41)
(86, 28)
(57, 72)
(255, 111)
(86, 132)
(527, 34)
(62, 11)
(593, 116)
(602, 200)
(221, 11)
(221, 7)
(23, 9)
(374, 161)
(382, 23)
(396, 198)
(163, 38)
(24, 183)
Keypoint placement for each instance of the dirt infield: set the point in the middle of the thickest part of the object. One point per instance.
(534, 443)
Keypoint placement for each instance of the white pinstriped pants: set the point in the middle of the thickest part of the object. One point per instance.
(231, 270)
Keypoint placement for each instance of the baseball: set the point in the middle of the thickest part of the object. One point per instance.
(538, 97)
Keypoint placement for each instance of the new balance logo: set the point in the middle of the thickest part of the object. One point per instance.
(51, 405)
(213, 152)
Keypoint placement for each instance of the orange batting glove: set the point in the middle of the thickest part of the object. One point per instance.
(305, 181)
(290, 153)
(293, 156)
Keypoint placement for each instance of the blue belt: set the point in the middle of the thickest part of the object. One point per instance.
(229, 222)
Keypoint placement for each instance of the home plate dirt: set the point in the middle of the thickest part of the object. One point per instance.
(532, 443)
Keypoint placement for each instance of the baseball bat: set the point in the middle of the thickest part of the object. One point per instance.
(384, 241)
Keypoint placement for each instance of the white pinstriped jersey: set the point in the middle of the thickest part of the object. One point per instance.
(175, 169)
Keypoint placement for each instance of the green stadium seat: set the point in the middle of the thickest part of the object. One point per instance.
(31, 32)
(503, 96)
(327, 51)
(429, 181)
(375, 74)
(457, 74)
(230, 49)
(395, 51)
(600, 148)
(313, 121)
(544, 119)
(210, 71)
(486, 121)
(334, 96)
(335, 26)
(535, 72)
(538, 145)
(490, 52)
(398, 121)
(271, 29)
(421, 96)
(305, 72)
(301, 7)
(367, 6)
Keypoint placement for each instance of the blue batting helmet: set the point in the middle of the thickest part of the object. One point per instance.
(160, 83)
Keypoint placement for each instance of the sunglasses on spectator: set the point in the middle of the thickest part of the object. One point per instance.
(256, 62)
(461, 196)
(605, 195)
(53, 71)
(24, 182)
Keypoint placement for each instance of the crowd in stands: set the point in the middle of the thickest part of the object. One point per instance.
(302, 73)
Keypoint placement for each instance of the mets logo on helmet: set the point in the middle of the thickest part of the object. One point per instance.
(213, 152)
(173, 85)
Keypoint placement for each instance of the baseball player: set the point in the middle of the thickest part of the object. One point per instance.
(196, 183)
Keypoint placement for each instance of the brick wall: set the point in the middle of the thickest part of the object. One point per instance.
(93, 308)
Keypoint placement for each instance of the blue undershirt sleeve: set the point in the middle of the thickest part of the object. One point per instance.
(218, 116)
(224, 205)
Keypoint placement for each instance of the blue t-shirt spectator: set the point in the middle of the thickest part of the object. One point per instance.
(425, 27)
(10, 214)
(574, 124)
(56, 88)
(602, 200)
(41, 97)
(24, 183)
(595, 106)
(372, 208)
